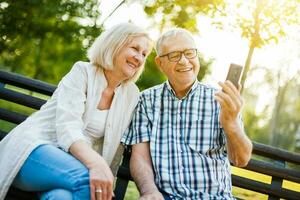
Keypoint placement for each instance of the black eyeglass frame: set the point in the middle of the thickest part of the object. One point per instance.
(181, 52)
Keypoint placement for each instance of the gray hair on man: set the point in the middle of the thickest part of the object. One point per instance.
(170, 33)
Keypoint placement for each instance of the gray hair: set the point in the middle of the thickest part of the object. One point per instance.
(107, 45)
(170, 33)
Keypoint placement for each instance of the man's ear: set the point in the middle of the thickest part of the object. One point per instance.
(158, 62)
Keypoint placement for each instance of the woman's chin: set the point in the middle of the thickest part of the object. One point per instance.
(129, 74)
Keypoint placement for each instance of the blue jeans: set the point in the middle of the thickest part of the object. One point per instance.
(54, 174)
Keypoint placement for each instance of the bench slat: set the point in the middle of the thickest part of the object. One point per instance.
(275, 153)
(11, 116)
(20, 98)
(2, 134)
(264, 188)
(26, 83)
(16, 194)
(273, 170)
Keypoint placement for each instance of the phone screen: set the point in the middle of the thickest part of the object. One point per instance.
(234, 74)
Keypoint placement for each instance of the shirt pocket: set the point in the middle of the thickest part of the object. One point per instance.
(200, 134)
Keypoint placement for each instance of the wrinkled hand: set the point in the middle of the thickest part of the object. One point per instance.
(152, 196)
(101, 179)
(231, 103)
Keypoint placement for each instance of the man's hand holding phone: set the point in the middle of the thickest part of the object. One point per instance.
(234, 74)
(229, 98)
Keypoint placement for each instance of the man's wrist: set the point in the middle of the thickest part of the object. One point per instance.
(232, 128)
(147, 191)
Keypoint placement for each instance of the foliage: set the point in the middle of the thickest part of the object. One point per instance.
(277, 123)
(43, 39)
(183, 14)
(151, 75)
(266, 20)
(262, 22)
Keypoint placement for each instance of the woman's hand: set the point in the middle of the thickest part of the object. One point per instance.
(101, 177)
(101, 181)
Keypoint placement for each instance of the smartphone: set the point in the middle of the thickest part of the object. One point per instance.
(234, 74)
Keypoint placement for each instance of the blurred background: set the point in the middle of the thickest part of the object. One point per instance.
(42, 39)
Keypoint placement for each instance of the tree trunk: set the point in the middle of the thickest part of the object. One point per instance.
(247, 65)
(254, 40)
(37, 59)
(274, 119)
(273, 133)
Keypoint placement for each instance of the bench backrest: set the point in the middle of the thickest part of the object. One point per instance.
(21, 90)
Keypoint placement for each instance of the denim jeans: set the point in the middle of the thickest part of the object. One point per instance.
(54, 174)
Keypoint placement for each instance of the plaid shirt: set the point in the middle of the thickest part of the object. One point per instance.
(187, 143)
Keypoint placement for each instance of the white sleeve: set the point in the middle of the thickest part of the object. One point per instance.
(71, 98)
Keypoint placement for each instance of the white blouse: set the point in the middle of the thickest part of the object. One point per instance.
(95, 127)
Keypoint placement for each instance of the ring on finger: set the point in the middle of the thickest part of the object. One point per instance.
(98, 190)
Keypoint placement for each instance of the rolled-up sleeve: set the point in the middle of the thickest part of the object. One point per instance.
(140, 127)
(71, 98)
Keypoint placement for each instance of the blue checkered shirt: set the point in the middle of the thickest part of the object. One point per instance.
(187, 143)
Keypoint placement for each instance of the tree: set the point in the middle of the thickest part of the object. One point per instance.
(43, 39)
(283, 122)
(184, 14)
(278, 122)
(266, 23)
(260, 21)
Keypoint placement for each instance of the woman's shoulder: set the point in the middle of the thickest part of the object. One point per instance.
(86, 69)
(82, 65)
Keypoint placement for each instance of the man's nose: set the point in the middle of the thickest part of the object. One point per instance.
(183, 60)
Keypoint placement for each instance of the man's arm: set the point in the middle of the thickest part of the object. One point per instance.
(142, 172)
(239, 146)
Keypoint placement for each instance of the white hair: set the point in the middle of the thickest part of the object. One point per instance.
(170, 33)
(107, 45)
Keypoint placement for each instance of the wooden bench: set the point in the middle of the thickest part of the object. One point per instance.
(266, 160)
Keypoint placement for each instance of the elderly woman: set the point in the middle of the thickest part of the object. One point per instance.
(69, 148)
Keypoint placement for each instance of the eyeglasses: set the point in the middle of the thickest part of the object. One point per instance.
(175, 56)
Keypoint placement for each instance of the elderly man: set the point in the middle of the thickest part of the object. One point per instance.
(184, 132)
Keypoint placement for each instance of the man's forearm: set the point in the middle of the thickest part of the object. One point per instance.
(141, 169)
(239, 146)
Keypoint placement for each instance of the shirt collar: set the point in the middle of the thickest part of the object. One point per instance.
(189, 93)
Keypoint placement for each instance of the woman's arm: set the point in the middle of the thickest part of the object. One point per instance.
(71, 99)
(101, 176)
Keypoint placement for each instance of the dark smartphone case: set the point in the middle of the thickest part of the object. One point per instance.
(234, 74)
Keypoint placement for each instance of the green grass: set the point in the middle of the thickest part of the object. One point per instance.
(132, 192)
